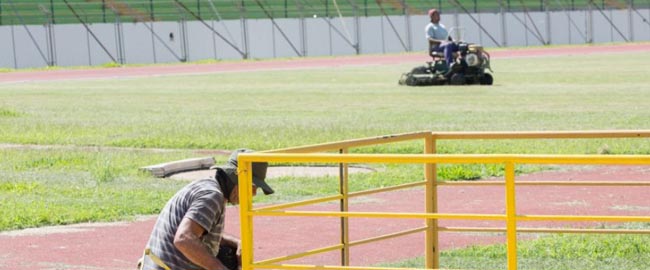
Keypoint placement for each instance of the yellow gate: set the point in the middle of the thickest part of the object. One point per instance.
(429, 159)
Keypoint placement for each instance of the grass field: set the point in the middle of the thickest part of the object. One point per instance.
(104, 130)
(553, 252)
(34, 11)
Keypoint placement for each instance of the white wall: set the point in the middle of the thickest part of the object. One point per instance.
(75, 46)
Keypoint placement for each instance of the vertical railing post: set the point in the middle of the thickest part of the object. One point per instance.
(182, 25)
(547, 8)
(344, 190)
(590, 22)
(245, 208)
(431, 250)
(630, 20)
(119, 37)
(504, 30)
(244, 27)
(511, 216)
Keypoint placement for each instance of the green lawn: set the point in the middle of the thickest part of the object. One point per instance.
(553, 252)
(104, 130)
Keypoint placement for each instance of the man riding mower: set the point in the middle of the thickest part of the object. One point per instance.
(469, 66)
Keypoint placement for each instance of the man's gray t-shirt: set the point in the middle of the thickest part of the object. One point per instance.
(201, 201)
(436, 31)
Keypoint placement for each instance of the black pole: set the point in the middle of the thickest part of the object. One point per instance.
(475, 6)
(198, 7)
(327, 8)
(286, 13)
(365, 7)
(151, 10)
(0, 12)
(52, 10)
(104, 11)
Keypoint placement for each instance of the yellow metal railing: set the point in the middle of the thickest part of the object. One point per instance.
(429, 159)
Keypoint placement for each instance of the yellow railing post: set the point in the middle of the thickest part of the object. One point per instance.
(344, 191)
(511, 216)
(245, 207)
(431, 251)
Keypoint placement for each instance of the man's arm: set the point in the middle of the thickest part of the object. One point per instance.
(187, 240)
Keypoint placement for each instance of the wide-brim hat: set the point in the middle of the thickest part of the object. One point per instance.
(259, 171)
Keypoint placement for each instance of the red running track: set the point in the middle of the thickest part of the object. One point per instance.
(119, 245)
(301, 63)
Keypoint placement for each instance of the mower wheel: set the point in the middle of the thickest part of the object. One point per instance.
(486, 79)
(457, 79)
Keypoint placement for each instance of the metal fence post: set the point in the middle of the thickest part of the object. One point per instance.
(630, 18)
(511, 216)
(153, 41)
(344, 190)
(119, 37)
(49, 36)
(13, 45)
(52, 11)
(548, 22)
(244, 27)
(302, 27)
(431, 250)
(407, 20)
(357, 27)
(590, 22)
(182, 24)
(504, 30)
(245, 208)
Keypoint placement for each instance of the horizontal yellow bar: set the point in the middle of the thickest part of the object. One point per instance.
(387, 236)
(340, 246)
(333, 267)
(437, 158)
(464, 136)
(300, 203)
(542, 230)
(543, 134)
(546, 183)
(584, 218)
(353, 143)
(391, 188)
(338, 197)
(302, 254)
(378, 215)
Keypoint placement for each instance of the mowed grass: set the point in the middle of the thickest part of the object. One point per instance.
(102, 131)
(91, 179)
(553, 252)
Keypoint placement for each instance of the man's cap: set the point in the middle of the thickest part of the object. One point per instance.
(259, 171)
(431, 11)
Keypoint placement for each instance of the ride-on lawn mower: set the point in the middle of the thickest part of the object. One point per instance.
(469, 67)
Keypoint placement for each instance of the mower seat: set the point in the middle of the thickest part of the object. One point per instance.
(441, 55)
(437, 55)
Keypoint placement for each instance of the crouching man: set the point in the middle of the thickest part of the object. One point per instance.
(189, 232)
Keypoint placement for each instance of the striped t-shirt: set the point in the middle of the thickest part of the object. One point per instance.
(201, 201)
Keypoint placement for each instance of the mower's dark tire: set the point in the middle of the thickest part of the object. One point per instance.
(412, 81)
(486, 79)
(457, 79)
